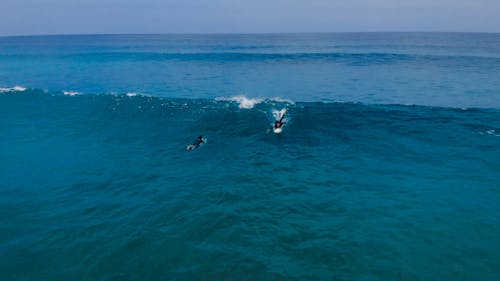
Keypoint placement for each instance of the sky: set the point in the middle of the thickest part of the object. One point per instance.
(36, 17)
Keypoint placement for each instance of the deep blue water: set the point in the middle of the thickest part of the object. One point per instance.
(387, 168)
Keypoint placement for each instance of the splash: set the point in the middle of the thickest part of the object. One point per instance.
(243, 102)
(71, 93)
(277, 114)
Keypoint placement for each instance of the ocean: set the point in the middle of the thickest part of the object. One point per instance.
(387, 167)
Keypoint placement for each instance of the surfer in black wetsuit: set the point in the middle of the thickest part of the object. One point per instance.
(198, 141)
(279, 123)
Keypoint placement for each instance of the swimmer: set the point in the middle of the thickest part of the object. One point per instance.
(196, 143)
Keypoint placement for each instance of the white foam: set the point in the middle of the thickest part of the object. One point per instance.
(278, 99)
(19, 89)
(492, 132)
(136, 94)
(243, 102)
(278, 113)
(71, 93)
(13, 89)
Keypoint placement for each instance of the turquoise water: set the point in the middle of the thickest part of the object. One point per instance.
(387, 168)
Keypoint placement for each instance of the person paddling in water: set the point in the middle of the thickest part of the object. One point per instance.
(196, 143)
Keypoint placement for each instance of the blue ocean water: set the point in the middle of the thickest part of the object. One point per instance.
(387, 168)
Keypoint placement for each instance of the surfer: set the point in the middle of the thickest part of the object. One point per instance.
(196, 143)
(279, 123)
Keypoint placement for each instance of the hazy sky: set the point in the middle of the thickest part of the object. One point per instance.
(20, 17)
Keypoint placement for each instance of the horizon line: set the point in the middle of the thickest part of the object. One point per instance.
(241, 33)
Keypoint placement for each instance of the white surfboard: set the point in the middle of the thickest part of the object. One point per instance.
(278, 130)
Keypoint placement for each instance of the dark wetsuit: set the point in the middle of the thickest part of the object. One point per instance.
(198, 142)
(279, 123)
(195, 144)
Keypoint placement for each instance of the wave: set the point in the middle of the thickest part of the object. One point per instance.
(378, 57)
(242, 101)
(310, 123)
(374, 57)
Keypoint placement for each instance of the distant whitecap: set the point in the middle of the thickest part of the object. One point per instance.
(13, 89)
(71, 93)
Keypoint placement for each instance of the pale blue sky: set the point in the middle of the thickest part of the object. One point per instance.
(22, 17)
